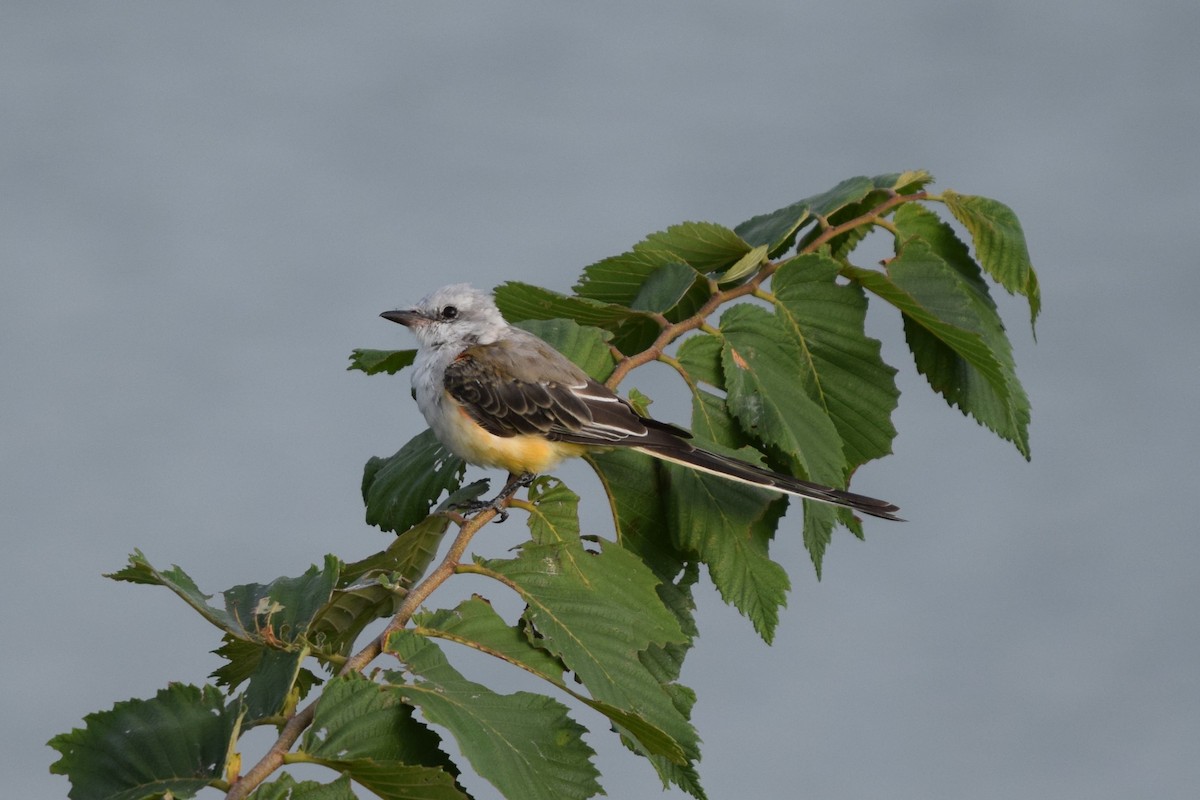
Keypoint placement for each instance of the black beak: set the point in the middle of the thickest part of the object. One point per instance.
(406, 318)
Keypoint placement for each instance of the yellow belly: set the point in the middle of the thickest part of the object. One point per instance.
(517, 454)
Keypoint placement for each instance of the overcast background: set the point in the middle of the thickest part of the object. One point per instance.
(205, 208)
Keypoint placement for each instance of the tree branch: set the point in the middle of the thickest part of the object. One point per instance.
(273, 759)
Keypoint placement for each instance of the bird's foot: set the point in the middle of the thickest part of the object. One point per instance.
(499, 503)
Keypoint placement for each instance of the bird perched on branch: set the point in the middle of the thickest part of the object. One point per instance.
(498, 396)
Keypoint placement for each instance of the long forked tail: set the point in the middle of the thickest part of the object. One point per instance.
(733, 469)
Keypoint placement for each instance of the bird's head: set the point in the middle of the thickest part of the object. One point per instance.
(456, 314)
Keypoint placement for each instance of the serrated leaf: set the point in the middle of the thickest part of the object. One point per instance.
(778, 229)
(374, 362)
(272, 681)
(841, 367)
(632, 484)
(554, 516)
(632, 330)
(523, 743)
(366, 730)
(652, 277)
(619, 279)
(640, 402)
(287, 788)
(139, 570)
(274, 675)
(907, 182)
(400, 490)
(819, 520)
(473, 623)
(854, 198)
(374, 587)
(728, 526)
(957, 340)
(665, 288)
(176, 742)
(999, 243)
(762, 362)
(596, 612)
(276, 614)
(587, 347)
(712, 421)
(745, 266)
(700, 357)
(706, 246)
(279, 612)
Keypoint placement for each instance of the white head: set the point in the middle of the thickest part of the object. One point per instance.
(457, 314)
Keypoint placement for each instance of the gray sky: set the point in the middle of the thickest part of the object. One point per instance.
(204, 209)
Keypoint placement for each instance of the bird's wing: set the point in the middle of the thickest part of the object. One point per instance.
(520, 385)
(523, 386)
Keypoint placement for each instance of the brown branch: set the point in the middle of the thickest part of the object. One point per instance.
(273, 759)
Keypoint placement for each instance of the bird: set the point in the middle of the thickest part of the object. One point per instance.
(500, 397)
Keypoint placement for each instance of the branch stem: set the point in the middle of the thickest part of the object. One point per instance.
(274, 758)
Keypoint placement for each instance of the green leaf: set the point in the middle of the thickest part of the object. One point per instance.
(956, 337)
(375, 586)
(587, 347)
(139, 570)
(554, 516)
(706, 246)
(857, 198)
(277, 613)
(632, 330)
(777, 230)
(729, 527)
(999, 243)
(287, 788)
(841, 367)
(473, 623)
(269, 691)
(367, 731)
(618, 280)
(269, 621)
(176, 743)
(523, 743)
(700, 357)
(281, 610)
(273, 676)
(665, 288)
(745, 266)
(761, 359)
(400, 490)
(711, 421)
(596, 612)
(819, 521)
(374, 362)
(632, 484)
(640, 402)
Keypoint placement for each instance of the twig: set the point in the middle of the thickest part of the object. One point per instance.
(273, 759)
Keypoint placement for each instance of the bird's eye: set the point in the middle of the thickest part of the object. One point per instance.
(449, 312)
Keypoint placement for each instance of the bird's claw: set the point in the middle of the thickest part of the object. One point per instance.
(499, 503)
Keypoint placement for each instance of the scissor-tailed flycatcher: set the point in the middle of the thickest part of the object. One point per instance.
(498, 396)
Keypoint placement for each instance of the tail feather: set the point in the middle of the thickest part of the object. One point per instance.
(733, 469)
